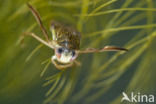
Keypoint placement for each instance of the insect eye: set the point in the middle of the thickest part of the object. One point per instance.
(73, 53)
(60, 50)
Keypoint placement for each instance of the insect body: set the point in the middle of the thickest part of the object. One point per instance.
(65, 42)
(68, 41)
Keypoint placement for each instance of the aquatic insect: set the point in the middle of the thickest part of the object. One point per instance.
(65, 42)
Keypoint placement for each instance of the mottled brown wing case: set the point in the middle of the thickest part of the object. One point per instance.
(66, 36)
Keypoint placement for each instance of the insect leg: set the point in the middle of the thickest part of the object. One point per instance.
(61, 67)
(53, 33)
(106, 48)
(77, 63)
(38, 19)
(50, 45)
